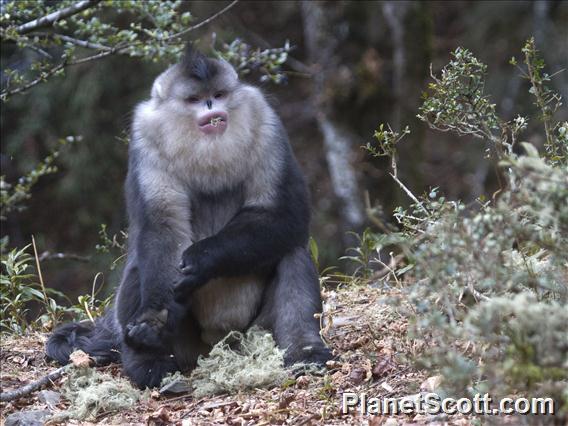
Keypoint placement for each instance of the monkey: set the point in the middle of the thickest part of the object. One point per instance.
(218, 213)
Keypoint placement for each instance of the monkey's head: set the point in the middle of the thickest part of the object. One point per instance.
(200, 89)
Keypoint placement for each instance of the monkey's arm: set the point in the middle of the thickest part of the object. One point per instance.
(257, 237)
(159, 228)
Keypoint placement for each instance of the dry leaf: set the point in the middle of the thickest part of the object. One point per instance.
(357, 376)
(80, 359)
(159, 417)
(285, 399)
(383, 366)
(302, 382)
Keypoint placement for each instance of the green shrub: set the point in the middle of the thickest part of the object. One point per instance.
(489, 283)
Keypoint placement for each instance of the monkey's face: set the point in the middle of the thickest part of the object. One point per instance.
(206, 103)
(209, 109)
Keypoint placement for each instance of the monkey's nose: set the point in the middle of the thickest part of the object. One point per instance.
(209, 103)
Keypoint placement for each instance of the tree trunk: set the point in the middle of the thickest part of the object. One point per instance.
(338, 144)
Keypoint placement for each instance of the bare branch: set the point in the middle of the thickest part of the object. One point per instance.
(50, 19)
(409, 193)
(46, 256)
(301, 68)
(106, 50)
(44, 76)
(97, 56)
(30, 387)
(82, 43)
(43, 290)
(202, 23)
(40, 51)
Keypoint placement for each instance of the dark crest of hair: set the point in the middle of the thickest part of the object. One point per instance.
(197, 65)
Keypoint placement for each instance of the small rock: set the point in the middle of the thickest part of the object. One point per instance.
(51, 398)
(180, 385)
(420, 418)
(431, 383)
(391, 421)
(332, 364)
(27, 418)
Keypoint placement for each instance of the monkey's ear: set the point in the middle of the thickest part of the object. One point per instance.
(158, 89)
(230, 69)
(161, 85)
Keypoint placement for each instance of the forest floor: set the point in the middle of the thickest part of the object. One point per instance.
(367, 335)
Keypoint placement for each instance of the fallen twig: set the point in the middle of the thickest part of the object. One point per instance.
(33, 386)
(47, 255)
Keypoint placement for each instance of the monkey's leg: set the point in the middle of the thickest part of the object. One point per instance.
(139, 330)
(147, 367)
(142, 366)
(292, 298)
(159, 229)
(187, 344)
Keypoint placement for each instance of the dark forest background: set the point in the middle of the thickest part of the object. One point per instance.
(353, 65)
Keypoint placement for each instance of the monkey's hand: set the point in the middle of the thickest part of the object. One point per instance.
(153, 329)
(196, 271)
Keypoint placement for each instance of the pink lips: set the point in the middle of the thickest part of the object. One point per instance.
(213, 123)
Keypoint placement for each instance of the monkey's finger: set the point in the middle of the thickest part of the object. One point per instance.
(186, 269)
(184, 287)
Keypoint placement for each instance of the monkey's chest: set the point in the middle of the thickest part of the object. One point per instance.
(227, 304)
(211, 212)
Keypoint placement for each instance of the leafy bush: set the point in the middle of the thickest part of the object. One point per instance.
(13, 196)
(488, 283)
(20, 288)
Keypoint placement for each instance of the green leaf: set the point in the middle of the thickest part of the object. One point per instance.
(530, 149)
(314, 251)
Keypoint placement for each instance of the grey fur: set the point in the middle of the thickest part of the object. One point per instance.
(232, 206)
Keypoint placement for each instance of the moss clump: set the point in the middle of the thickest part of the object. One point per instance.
(91, 393)
(239, 362)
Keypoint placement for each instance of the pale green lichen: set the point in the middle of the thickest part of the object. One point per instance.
(239, 362)
(91, 393)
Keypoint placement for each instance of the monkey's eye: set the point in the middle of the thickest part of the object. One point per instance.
(192, 99)
(219, 95)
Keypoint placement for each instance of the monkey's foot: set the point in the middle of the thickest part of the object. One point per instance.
(310, 354)
(146, 369)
